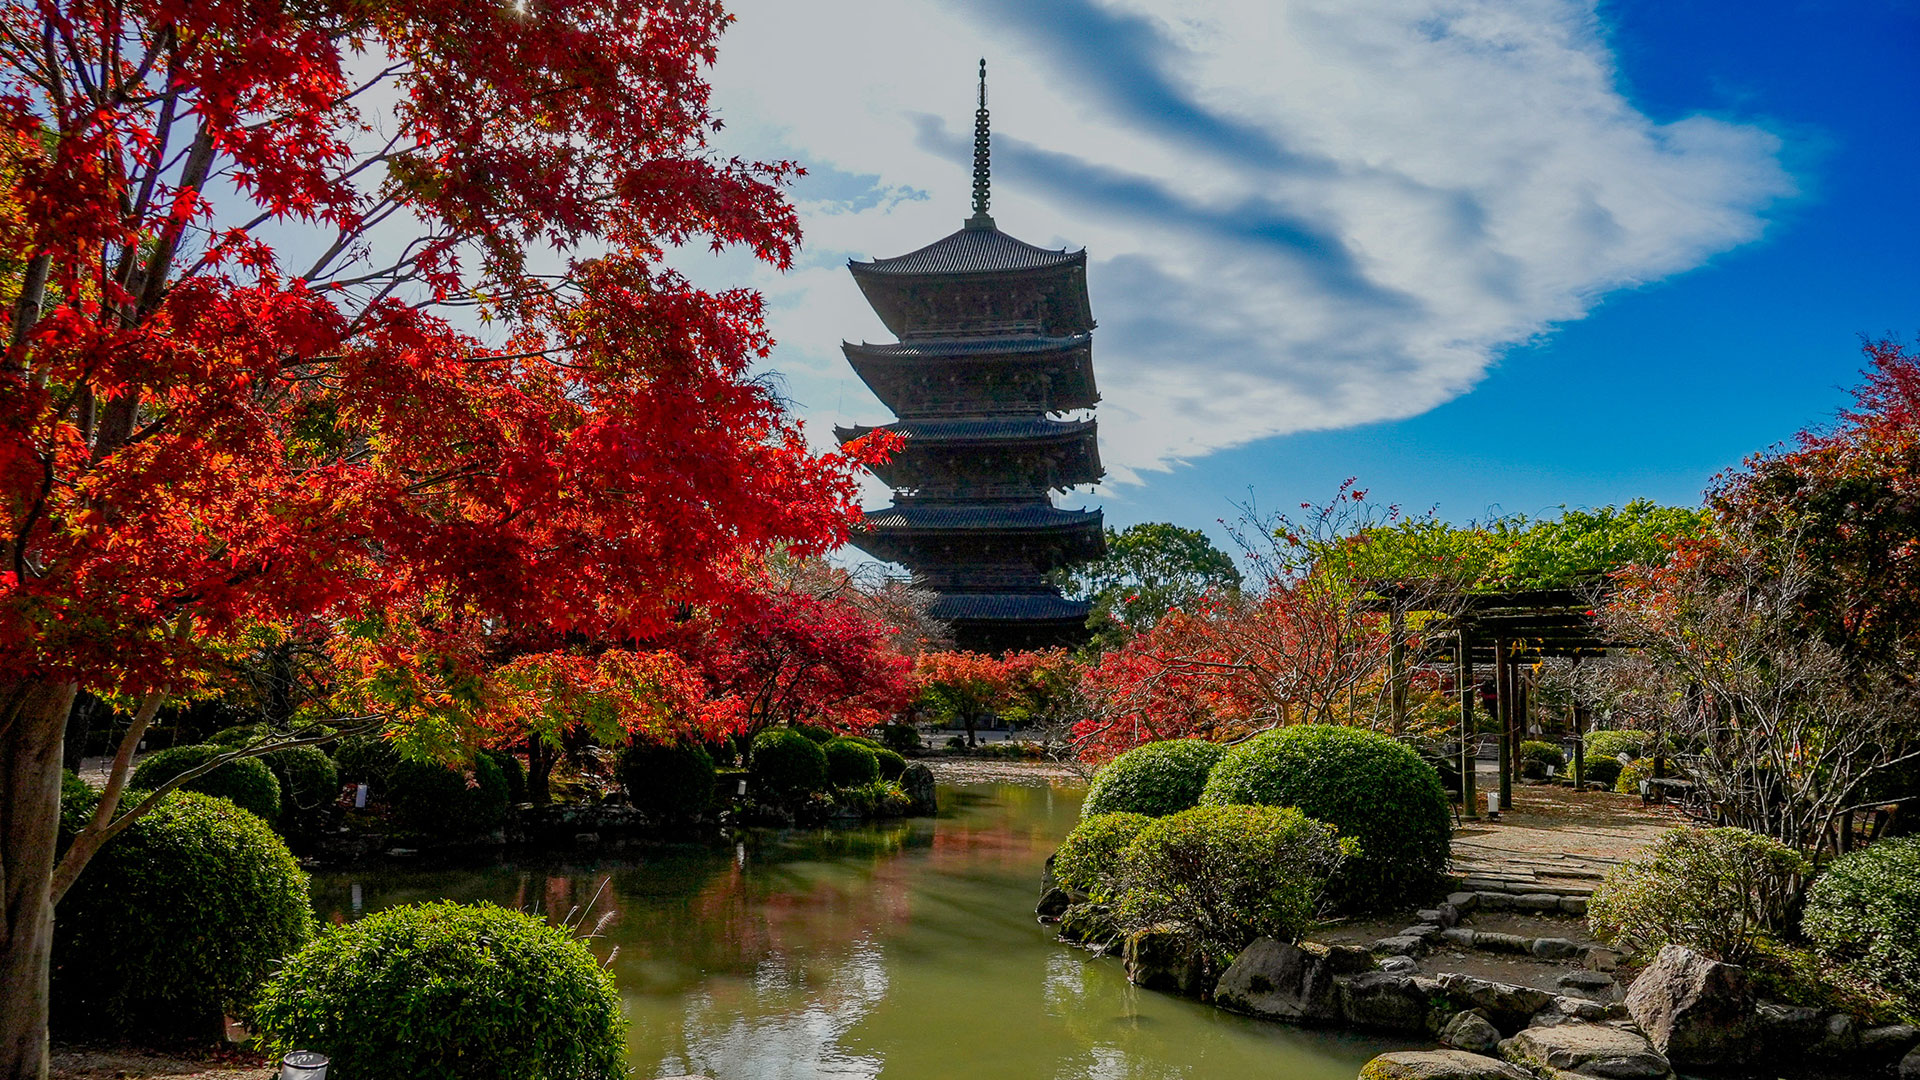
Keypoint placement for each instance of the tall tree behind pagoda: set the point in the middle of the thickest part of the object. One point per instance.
(202, 434)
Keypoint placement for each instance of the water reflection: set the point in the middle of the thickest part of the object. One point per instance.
(904, 951)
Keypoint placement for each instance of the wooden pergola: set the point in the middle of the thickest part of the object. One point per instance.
(1497, 630)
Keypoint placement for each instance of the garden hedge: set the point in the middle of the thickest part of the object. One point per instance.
(1365, 784)
(850, 763)
(176, 923)
(247, 782)
(437, 800)
(892, 765)
(1716, 891)
(1602, 771)
(668, 780)
(1156, 779)
(1865, 911)
(900, 738)
(1611, 744)
(449, 992)
(784, 765)
(366, 759)
(1089, 858)
(1228, 874)
(309, 784)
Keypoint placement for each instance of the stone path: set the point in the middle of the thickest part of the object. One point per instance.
(1555, 840)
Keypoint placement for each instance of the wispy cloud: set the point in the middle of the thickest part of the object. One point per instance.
(1300, 214)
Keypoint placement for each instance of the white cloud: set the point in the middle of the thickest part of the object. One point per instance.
(1300, 214)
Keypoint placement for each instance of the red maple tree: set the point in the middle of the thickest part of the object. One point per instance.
(236, 239)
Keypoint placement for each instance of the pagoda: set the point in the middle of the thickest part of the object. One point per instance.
(995, 339)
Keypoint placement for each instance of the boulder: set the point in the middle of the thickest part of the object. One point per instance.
(1400, 965)
(1889, 1042)
(1090, 925)
(1053, 904)
(1509, 1007)
(1910, 1066)
(1166, 957)
(1438, 1065)
(1697, 1011)
(917, 782)
(1400, 945)
(1277, 981)
(1839, 1039)
(1553, 948)
(1574, 905)
(1425, 931)
(1578, 1008)
(1461, 901)
(1470, 1031)
(1589, 1049)
(1510, 943)
(1376, 999)
(1458, 936)
(1537, 902)
(1444, 916)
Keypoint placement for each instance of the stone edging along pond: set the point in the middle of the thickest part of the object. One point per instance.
(1682, 1010)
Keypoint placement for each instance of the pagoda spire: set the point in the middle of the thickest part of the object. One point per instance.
(982, 159)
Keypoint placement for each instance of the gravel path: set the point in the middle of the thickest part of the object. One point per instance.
(74, 1063)
(962, 770)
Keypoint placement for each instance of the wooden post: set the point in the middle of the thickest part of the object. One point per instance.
(1463, 677)
(1579, 747)
(1522, 713)
(1397, 669)
(1503, 714)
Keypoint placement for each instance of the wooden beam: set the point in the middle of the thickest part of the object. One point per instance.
(1463, 681)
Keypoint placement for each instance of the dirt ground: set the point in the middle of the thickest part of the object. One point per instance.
(77, 1063)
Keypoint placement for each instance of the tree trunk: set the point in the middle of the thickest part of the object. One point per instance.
(539, 767)
(30, 750)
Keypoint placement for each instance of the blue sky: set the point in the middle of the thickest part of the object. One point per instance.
(1484, 256)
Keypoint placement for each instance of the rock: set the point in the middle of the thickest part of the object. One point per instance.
(1591, 1049)
(1493, 901)
(1580, 1009)
(1165, 957)
(1539, 901)
(1278, 981)
(1400, 965)
(1697, 1011)
(1470, 1031)
(1588, 983)
(1574, 905)
(917, 782)
(1553, 948)
(1783, 1030)
(1053, 904)
(1512, 943)
(1444, 917)
(1438, 1065)
(1376, 999)
(1091, 925)
(1458, 935)
(1600, 958)
(1461, 901)
(1888, 1042)
(1910, 1066)
(1424, 931)
(1508, 1006)
(1838, 1039)
(1400, 945)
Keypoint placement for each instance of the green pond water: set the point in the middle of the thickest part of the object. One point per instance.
(907, 951)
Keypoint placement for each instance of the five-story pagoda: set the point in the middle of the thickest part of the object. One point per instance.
(995, 335)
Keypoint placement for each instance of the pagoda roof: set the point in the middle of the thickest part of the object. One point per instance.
(1026, 606)
(967, 347)
(981, 429)
(971, 251)
(981, 517)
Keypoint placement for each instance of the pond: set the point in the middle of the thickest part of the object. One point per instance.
(906, 951)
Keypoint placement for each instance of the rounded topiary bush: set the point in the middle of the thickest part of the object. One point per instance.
(814, 731)
(1157, 779)
(1865, 910)
(448, 991)
(309, 784)
(1228, 875)
(1542, 754)
(668, 780)
(247, 782)
(850, 764)
(1611, 744)
(1089, 858)
(1627, 780)
(513, 772)
(366, 759)
(1713, 890)
(892, 765)
(1602, 771)
(785, 765)
(1368, 786)
(900, 738)
(176, 922)
(438, 800)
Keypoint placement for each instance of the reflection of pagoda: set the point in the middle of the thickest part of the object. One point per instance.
(994, 335)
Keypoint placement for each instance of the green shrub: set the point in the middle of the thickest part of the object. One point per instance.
(1368, 786)
(247, 782)
(879, 798)
(366, 759)
(892, 765)
(513, 772)
(814, 731)
(1611, 744)
(74, 790)
(1229, 874)
(1157, 779)
(668, 780)
(309, 784)
(1864, 911)
(1545, 753)
(176, 922)
(1089, 858)
(439, 800)
(1628, 781)
(850, 764)
(1713, 890)
(448, 992)
(900, 738)
(1603, 771)
(786, 766)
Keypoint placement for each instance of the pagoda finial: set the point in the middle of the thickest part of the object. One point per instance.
(982, 159)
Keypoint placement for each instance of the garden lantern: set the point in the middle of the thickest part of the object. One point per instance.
(303, 1065)
(1493, 804)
